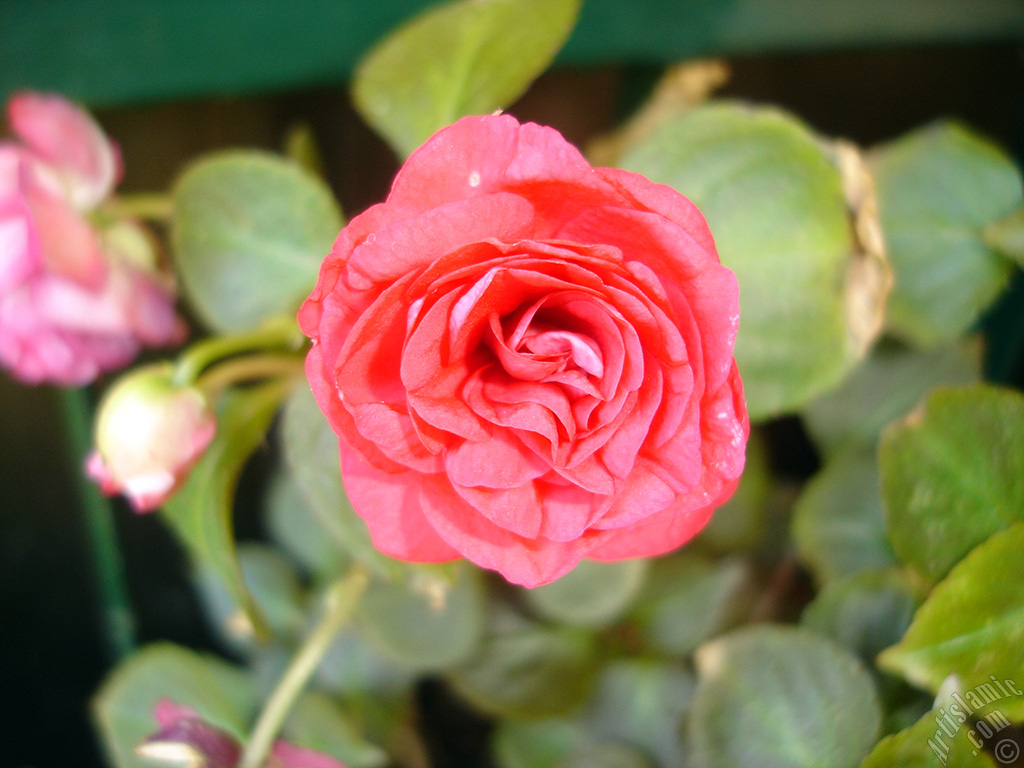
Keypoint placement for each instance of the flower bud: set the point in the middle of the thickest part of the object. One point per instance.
(149, 433)
(185, 739)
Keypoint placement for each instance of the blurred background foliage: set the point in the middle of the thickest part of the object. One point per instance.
(178, 79)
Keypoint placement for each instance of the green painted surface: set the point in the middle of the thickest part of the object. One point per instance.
(107, 52)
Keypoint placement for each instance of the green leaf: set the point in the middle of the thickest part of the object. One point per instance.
(642, 703)
(276, 591)
(592, 594)
(597, 755)
(250, 231)
(838, 522)
(688, 599)
(525, 669)
(301, 147)
(926, 745)
(352, 667)
(201, 511)
(311, 454)
(293, 525)
(774, 201)
(1007, 236)
(781, 697)
(637, 704)
(741, 523)
(953, 474)
(535, 743)
(903, 705)
(972, 625)
(890, 382)
(556, 743)
(938, 189)
(123, 709)
(423, 623)
(460, 58)
(866, 612)
(276, 588)
(318, 723)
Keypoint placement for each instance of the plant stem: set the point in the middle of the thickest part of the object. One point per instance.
(340, 600)
(239, 369)
(152, 206)
(284, 333)
(777, 589)
(118, 619)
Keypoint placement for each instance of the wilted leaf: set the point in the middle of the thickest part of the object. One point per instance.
(683, 86)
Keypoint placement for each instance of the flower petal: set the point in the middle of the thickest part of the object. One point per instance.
(391, 506)
(529, 562)
(69, 140)
(661, 533)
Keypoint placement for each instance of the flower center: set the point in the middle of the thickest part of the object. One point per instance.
(554, 344)
(541, 343)
(537, 334)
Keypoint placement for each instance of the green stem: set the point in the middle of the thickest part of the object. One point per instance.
(283, 333)
(118, 620)
(247, 368)
(151, 206)
(1007, 236)
(340, 601)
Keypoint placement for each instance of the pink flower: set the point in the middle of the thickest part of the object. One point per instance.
(185, 738)
(77, 296)
(528, 360)
(149, 433)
